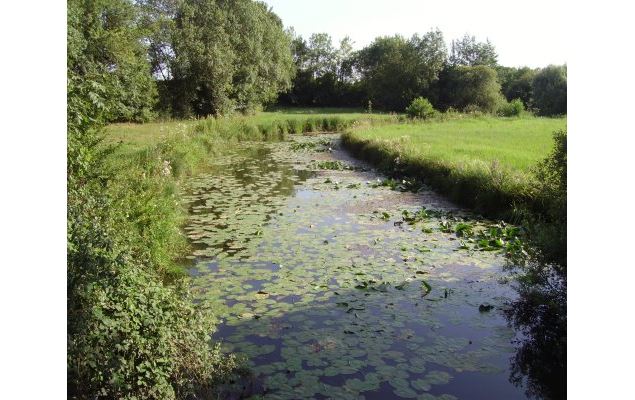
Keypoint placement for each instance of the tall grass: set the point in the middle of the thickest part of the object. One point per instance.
(132, 137)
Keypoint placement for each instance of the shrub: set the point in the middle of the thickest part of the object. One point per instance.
(513, 108)
(420, 108)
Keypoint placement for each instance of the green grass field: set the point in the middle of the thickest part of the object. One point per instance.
(482, 162)
(515, 143)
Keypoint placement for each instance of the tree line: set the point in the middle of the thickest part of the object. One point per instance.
(185, 58)
(181, 58)
(393, 70)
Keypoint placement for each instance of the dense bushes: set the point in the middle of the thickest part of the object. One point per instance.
(550, 90)
(516, 83)
(420, 108)
(104, 47)
(132, 329)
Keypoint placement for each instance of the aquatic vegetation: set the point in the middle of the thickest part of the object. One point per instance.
(332, 165)
(303, 146)
(402, 185)
(328, 295)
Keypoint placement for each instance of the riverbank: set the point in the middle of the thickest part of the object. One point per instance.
(491, 165)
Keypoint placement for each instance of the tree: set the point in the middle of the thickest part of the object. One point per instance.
(105, 49)
(322, 55)
(516, 83)
(325, 75)
(156, 18)
(343, 56)
(230, 55)
(432, 54)
(395, 70)
(550, 90)
(467, 51)
(467, 87)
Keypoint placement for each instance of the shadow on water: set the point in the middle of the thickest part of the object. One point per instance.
(370, 342)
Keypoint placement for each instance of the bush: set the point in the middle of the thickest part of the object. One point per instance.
(420, 108)
(513, 108)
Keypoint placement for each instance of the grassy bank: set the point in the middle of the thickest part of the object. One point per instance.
(515, 143)
(484, 163)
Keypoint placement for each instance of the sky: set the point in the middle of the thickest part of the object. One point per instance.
(524, 33)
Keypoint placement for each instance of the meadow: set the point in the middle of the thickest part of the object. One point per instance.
(480, 161)
(516, 143)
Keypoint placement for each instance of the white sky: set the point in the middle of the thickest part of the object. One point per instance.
(525, 33)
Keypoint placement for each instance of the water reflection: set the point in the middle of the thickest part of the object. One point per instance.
(317, 279)
(540, 314)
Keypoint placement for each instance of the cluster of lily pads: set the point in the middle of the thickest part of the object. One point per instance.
(336, 288)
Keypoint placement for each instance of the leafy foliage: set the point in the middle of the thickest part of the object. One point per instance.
(105, 49)
(396, 70)
(133, 331)
(513, 108)
(468, 52)
(516, 83)
(549, 227)
(550, 90)
(471, 88)
(324, 73)
(230, 56)
(420, 108)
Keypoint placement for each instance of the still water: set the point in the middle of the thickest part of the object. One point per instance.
(319, 275)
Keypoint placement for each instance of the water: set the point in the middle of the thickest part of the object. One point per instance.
(316, 278)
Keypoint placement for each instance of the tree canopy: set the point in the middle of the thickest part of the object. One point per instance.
(468, 51)
(550, 90)
(397, 70)
(230, 55)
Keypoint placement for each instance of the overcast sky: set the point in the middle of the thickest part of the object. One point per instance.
(524, 33)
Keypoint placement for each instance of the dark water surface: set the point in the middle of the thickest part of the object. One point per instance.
(315, 277)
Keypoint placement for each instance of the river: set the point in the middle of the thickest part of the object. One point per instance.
(328, 283)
